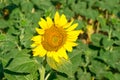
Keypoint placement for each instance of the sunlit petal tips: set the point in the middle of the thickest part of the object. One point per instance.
(55, 38)
(40, 31)
(72, 27)
(43, 24)
(63, 20)
(49, 22)
(57, 18)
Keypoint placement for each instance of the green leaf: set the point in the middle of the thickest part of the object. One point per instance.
(88, 13)
(104, 27)
(96, 39)
(111, 58)
(81, 24)
(76, 59)
(21, 67)
(42, 5)
(117, 42)
(64, 66)
(69, 2)
(69, 13)
(109, 75)
(116, 34)
(22, 63)
(61, 77)
(82, 75)
(10, 77)
(7, 57)
(117, 76)
(3, 24)
(17, 2)
(107, 43)
(19, 76)
(79, 7)
(2, 37)
(26, 6)
(98, 69)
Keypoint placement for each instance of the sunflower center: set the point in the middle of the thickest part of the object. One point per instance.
(54, 38)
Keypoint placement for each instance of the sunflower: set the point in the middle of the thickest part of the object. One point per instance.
(55, 38)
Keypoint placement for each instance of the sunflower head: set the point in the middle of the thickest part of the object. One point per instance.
(55, 37)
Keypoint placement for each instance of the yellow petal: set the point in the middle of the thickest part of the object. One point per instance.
(68, 46)
(72, 27)
(62, 53)
(43, 23)
(81, 31)
(49, 22)
(40, 31)
(56, 18)
(56, 57)
(68, 24)
(72, 38)
(49, 54)
(39, 50)
(33, 45)
(35, 53)
(53, 55)
(63, 20)
(42, 52)
(73, 33)
(37, 38)
(90, 30)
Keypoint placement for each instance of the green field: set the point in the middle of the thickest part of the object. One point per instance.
(95, 57)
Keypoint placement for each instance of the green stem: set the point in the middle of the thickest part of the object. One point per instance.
(46, 78)
(42, 70)
(42, 73)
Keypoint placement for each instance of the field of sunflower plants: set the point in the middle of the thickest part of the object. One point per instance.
(59, 39)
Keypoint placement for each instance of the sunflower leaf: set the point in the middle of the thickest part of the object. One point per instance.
(65, 66)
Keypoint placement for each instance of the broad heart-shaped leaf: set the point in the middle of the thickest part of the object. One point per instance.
(64, 66)
(21, 67)
(31, 76)
(22, 63)
(10, 77)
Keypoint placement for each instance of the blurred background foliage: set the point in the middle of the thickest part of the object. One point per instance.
(97, 57)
